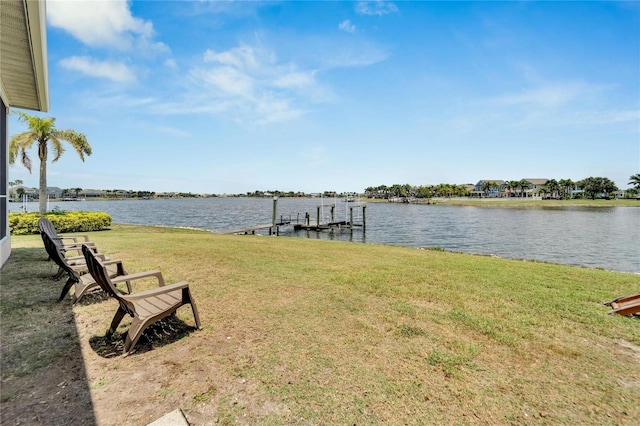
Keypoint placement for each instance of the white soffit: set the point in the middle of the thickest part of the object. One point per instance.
(24, 81)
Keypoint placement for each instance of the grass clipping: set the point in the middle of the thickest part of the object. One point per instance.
(323, 332)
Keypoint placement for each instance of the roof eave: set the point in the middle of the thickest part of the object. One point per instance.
(36, 16)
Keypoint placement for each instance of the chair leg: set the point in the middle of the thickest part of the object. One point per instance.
(134, 334)
(58, 274)
(67, 286)
(116, 321)
(81, 289)
(186, 298)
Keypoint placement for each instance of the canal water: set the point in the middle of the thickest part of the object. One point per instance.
(603, 237)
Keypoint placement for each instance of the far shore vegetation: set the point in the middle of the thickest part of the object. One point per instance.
(301, 331)
(592, 188)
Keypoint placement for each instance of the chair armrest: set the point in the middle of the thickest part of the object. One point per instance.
(77, 245)
(75, 259)
(76, 237)
(156, 291)
(140, 275)
(67, 237)
(81, 261)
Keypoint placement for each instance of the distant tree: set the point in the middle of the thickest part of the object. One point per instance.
(635, 181)
(20, 192)
(43, 131)
(16, 182)
(523, 185)
(543, 192)
(424, 191)
(554, 188)
(566, 185)
(488, 186)
(508, 186)
(596, 186)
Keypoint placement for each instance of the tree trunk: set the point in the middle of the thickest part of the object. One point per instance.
(42, 193)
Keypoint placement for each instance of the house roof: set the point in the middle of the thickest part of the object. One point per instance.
(498, 181)
(537, 181)
(24, 80)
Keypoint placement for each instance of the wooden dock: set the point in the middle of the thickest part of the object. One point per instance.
(299, 224)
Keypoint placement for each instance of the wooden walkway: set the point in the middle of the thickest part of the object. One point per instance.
(325, 226)
(252, 229)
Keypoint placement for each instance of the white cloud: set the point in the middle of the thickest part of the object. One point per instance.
(240, 57)
(171, 64)
(114, 71)
(377, 7)
(104, 23)
(347, 26)
(250, 84)
(172, 131)
(544, 96)
(226, 80)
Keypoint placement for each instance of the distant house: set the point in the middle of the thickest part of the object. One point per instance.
(536, 187)
(478, 191)
(54, 192)
(91, 193)
(15, 192)
(469, 188)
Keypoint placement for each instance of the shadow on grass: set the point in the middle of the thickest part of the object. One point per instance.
(43, 374)
(161, 333)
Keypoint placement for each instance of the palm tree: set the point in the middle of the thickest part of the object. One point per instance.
(508, 187)
(523, 184)
(566, 185)
(554, 188)
(43, 131)
(635, 181)
(488, 186)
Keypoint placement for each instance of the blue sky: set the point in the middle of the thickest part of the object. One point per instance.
(229, 97)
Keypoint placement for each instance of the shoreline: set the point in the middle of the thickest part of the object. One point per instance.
(520, 202)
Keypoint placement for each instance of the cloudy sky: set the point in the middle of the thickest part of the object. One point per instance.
(237, 96)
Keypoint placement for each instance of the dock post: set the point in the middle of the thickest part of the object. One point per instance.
(275, 214)
(307, 218)
(333, 213)
(364, 217)
(318, 217)
(351, 217)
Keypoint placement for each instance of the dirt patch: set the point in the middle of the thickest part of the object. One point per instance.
(633, 351)
(628, 349)
(166, 371)
(57, 395)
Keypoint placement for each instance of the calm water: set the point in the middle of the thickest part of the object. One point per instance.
(595, 237)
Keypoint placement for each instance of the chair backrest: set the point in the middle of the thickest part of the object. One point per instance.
(54, 251)
(47, 227)
(99, 273)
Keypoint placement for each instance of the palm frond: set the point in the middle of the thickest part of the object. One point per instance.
(57, 148)
(18, 145)
(26, 161)
(77, 140)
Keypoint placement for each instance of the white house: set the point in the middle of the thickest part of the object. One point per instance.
(24, 83)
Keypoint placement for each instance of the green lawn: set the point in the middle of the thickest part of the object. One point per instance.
(301, 331)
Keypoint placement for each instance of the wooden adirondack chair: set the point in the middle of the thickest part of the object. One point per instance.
(146, 307)
(625, 305)
(73, 242)
(82, 282)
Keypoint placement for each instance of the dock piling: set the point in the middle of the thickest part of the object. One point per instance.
(275, 215)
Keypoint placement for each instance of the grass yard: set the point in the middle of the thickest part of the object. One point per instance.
(301, 331)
